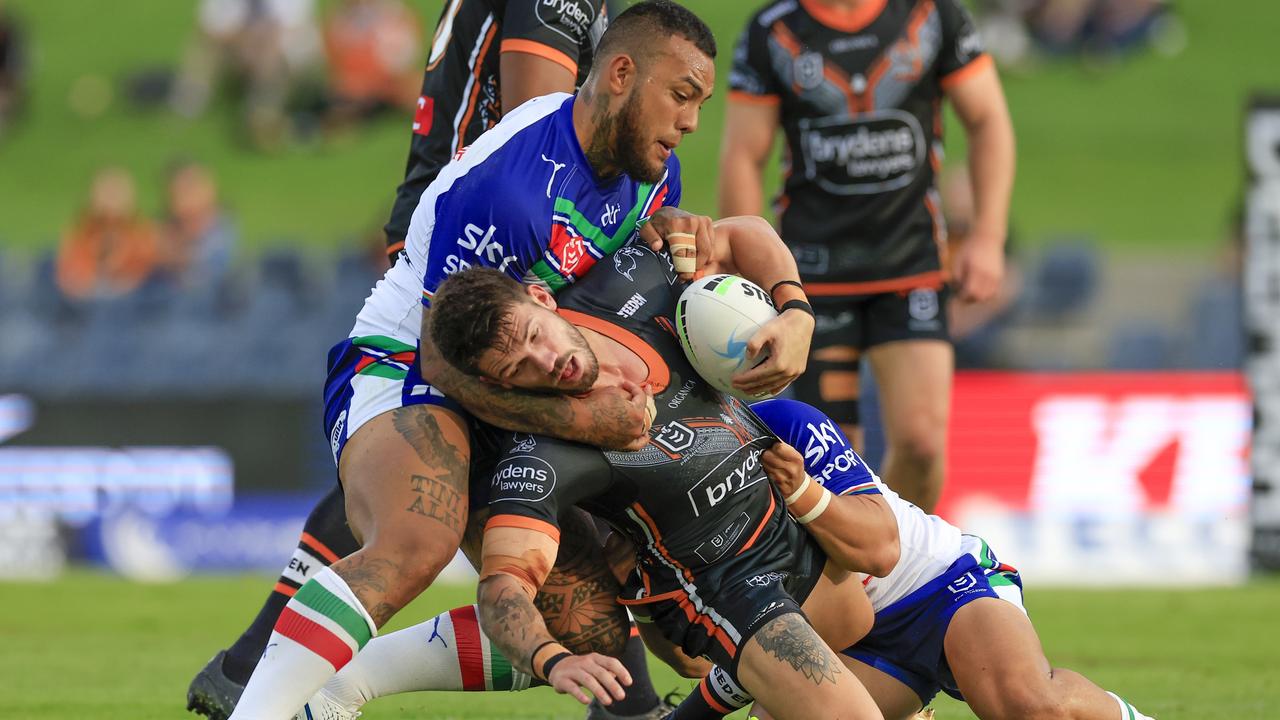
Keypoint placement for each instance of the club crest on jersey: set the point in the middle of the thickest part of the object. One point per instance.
(567, 245)
(524, 442)
(808, 70)
(625, 260)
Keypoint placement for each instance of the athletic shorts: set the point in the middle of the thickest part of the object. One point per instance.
(718, 618)
(864, 321)
(906, 641)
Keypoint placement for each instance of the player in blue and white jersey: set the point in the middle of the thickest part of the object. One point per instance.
(949, 616)
(552, 188)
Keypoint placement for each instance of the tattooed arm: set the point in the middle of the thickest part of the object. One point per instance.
(578, 600)
(612, 418)
(516, 561)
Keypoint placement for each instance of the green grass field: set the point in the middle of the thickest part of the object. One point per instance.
(1143, 154)
(93, 646)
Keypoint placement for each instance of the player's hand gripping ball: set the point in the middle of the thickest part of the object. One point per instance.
(715, 317)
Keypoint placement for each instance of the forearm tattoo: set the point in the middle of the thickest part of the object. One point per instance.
(509, 619)
(792, 641)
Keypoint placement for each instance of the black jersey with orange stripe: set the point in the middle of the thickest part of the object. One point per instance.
(461, 96)
(695, 501)
(859, 96)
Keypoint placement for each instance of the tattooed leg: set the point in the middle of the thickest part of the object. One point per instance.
(792, 672)
(405, 478)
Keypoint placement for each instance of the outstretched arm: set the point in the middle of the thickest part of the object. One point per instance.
(614, 418)
(515, 563)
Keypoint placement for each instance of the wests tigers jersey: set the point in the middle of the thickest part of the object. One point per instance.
(860, 97)
(461, 96)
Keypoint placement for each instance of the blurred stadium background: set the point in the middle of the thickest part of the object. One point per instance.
(159, 448)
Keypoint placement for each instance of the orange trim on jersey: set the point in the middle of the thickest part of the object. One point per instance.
(657, 541)
(320, 547)
(975, 66)
(546, 52)
(851, 20)
(939, 241)
(524, 523)
(286, 590)
(659, 374)
(436, 37)
(792, 45)
(713, 629)
(932, 280)
(768, 514)
(652, 598)
(395, 247)
(475, 86)
(747, 98)
(706, 695)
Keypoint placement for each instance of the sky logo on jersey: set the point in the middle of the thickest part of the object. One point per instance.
(480, 241)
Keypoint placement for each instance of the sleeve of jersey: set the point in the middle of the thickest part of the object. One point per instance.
(963, 54)
(828, 456)
(530, 489)
(675, 188)
(551, 30)
(752, 78)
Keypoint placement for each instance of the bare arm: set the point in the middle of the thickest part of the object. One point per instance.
(750, 125)
(979, 103)
(613, 418)
(525, 76)
(858, 532)
(515, 562)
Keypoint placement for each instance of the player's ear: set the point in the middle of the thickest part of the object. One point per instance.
(621, 73)
(542, 296)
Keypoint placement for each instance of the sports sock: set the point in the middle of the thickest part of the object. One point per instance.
(447, 652)
(641, 697)
(1127, 711)
(320, 629)
(325, 539)
(716, 696)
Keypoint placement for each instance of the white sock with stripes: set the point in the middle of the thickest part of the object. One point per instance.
(1127, 711)
(447, 652)
(321, 628)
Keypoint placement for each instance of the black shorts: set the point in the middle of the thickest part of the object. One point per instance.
(716, 618)
(864, 321)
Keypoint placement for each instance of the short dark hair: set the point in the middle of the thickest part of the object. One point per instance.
(634, 30)
(470, 313)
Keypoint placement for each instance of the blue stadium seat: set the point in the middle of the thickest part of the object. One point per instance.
(1217, 326)
(1142, 346)
(1063, 282)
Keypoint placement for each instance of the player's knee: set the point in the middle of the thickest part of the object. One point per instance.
(922, 442)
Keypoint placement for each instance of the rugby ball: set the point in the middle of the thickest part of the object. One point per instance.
(715, 317)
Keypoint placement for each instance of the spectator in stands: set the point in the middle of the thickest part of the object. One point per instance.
(373, 49)
(198, 233)
(271, 46)
(111, 249)
(13, 69)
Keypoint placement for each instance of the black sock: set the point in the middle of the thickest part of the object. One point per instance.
(641, 697)
(697, 705)
(325, 539)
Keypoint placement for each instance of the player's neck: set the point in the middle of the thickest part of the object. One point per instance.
(617, 361)
(594, 126)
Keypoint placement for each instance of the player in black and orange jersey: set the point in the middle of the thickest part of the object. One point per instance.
(488, 57)
(857, 87)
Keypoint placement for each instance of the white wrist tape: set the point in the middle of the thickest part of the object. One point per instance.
(793, 497)
(817, 510)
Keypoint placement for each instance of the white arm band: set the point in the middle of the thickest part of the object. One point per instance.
(793, 497)
(817, 510)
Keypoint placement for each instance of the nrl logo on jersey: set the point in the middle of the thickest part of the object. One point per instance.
(808, 70)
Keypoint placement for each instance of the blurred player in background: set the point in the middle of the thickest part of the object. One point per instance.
(857, 88)
(484, 58)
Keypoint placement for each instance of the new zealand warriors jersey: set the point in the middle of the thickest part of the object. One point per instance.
(859, 99)
(461, 97)
(695, 501)
(522, 199)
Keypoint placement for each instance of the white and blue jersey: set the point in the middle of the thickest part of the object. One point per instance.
(939, 570)
(523, 199)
